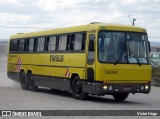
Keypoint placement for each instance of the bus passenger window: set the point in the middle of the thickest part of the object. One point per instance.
(40, 45)
(26, 45)
(68, 42)
(46, 44)
(21, 45)
(52, 43)
(13, 45)
(31, 45)
(72, 42)
(62, 42)
(78, 41)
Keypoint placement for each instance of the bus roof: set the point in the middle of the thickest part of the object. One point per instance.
(83, 28)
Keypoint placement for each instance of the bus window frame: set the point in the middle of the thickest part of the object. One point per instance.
(37, 41)
(59, 43)
(17, 44)
(84, 40)
(19, 50)
(69, 50)
(47, 39)
(29, 45)
(125, 41)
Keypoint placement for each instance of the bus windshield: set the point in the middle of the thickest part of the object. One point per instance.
(123, 47)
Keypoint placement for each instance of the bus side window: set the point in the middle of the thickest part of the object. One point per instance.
(21, 45)
(35, 44)
(26, 45)
(91, 49)
(40, 44)
(68, 42)
(83, 41)
(91, 42)
(13, 45)
(46, 44)
(31, 44)
(78, 41)
(62, 43)
(52, 43)
(72, 40)
(57, 42)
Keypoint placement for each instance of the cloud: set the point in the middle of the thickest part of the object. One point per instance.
(61, 13)
(12, 18)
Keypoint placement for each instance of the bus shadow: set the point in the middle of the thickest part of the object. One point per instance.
(105, 99)
(90, 98)
(55, 92)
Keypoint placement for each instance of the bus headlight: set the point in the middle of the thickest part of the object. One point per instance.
(105, 87)
(146, 87)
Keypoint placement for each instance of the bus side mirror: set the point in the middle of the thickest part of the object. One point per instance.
(149, 46)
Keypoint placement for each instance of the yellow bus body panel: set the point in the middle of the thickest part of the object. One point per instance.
(123, 73)
(41, 64)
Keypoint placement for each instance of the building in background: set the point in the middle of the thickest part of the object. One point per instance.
(155, 55)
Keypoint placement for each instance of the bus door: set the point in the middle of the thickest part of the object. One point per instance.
(91, 58)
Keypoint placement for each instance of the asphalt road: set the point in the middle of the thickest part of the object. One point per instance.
(12, 97)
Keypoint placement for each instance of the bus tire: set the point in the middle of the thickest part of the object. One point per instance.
(120, 96)
(32, 85)
(23, 81)
(77, 89)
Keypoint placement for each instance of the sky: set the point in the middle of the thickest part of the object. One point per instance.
(65, 13)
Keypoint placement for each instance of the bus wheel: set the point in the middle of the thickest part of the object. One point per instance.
(77, 89)
(23, 81)
(120, 96)
(32, 85)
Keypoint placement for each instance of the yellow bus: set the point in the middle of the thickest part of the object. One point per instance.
(96, 59)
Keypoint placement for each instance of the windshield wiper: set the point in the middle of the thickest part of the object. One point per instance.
(137, 59)
(115, 63)
(121, 56)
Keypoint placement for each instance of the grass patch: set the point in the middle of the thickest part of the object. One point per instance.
(155, 83)
(156, 72)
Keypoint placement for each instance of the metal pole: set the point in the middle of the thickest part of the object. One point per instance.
(133, 21)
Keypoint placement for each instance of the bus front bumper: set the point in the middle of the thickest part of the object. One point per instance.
(109, 88)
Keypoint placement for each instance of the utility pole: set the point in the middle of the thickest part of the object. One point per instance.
(132, 20)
